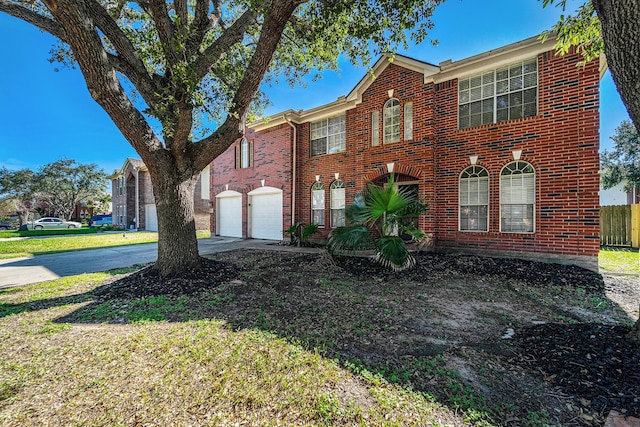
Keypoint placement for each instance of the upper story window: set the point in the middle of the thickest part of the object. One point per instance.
(504, 94)
(317, 204)
(328, 136)
(517, 197)
(337, 204)
(120, 185)
(474, 199)
(408, 121)
(391, 121)
(244, 154)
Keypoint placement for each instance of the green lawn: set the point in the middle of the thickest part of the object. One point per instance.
(626, 261)
(60, 232)
(39, 246)
(196, 372)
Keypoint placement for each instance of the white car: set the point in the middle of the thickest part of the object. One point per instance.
(52, 223)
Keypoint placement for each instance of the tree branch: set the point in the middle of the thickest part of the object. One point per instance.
(131, 64)
(45, 24)
(232, 35)
(165, 28)
(202, 23)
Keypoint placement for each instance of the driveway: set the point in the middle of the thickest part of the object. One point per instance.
(24, 271)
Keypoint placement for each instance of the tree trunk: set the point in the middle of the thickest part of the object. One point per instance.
(177, 243)
(634, 333)
(620, 20)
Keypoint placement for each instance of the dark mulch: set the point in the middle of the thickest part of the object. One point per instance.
(597, 362)
(148, 281)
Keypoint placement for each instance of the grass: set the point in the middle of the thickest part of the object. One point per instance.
(60, 232)
(32, 247)
(626, 261)
(196, 372)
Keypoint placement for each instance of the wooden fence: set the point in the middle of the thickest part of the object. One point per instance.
(620, 225)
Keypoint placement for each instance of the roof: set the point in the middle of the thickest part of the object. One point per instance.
(446, 70)
(136, 164)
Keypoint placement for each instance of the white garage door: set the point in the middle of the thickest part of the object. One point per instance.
(151, 218)
(229, 213)
(265, 213)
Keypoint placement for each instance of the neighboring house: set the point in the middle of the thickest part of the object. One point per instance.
(133, 204)
(503, 146)
(617, 196)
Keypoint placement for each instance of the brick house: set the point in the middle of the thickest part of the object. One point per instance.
(503, 146)
(133, 204)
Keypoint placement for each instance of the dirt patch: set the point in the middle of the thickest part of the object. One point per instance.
(511, 342)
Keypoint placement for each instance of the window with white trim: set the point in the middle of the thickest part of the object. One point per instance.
(474, 199)
(244, 154)
(328, 136)
(337, 204)
(408, 121)
(391, 121)
(317, 204)
(507, 93)
(375, 128)
(517, 197)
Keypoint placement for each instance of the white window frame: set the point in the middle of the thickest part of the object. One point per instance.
(244, 154)
(479, 175)
(391, 121)
(318, 202)
(375, 128)
(337, 190)
(499, 95)
(519, 177)
(330, 133)
(408, 121)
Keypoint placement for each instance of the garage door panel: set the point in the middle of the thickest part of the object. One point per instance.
(266, 216)
(230, 216)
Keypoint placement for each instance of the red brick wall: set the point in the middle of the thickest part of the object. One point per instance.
(272, 161)
(561, 142)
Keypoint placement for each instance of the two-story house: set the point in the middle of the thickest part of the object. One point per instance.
(503, 146)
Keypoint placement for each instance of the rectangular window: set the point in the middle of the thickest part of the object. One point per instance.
(517, 199)
(408, 121)
(328, 136)
(375, 128)
(507, 93)
(317, 207)
(337, 205)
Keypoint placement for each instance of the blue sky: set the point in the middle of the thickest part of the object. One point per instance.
(47, 115)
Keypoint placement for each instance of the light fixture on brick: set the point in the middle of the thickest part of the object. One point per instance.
(473, 159)
(317, 178)
(262, 182)
(337, 175)
(390, 92)
(226, 187)
(390, 167)
(516, 154)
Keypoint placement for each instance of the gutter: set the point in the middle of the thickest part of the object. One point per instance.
(293, 169)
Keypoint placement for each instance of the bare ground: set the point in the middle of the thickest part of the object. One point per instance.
(523, 343)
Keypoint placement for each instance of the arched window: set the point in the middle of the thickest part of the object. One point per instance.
(391, 123)
(474, 199)
(317, 204)
(244, 154)
(337, 204)
(517, 197)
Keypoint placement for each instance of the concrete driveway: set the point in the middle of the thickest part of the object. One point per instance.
(24, 271)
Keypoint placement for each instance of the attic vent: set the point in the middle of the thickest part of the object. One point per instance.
(444, 85)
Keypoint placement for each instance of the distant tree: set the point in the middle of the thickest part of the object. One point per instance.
(180, 79)
(622, 165)
(64, 183)
(18, 190)
(611, 27)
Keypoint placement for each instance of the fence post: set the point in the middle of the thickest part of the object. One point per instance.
(635, 226)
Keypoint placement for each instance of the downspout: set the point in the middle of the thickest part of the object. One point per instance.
(293, 170)
(137, 219)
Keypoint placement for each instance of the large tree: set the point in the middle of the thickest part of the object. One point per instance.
(611, 27)
(65, 183)
(180, 78)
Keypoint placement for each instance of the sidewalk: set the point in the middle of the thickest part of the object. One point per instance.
(24, 271)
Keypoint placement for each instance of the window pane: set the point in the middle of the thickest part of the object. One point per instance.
(408, 121)
(317, 217)
(375, 128)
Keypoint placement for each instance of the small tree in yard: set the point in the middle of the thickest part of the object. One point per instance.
(610, 27)
(17, 190)
(180, 79)
(376, 221)
(623, 163)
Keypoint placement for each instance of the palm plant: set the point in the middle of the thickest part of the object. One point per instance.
(377, 219)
